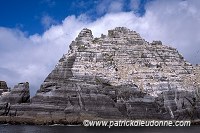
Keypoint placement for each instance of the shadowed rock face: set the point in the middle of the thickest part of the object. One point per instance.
(119, 75)
(3, 87)
(18, 95)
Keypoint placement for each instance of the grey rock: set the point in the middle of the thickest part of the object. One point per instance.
(116, 76)
(19, 94)
(3, 87)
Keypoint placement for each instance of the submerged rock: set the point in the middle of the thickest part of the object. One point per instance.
(116, 76)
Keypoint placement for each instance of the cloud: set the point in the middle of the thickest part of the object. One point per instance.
(31, 58)
(47, 21)
(116, 6)
(176, 23)
(109, 6)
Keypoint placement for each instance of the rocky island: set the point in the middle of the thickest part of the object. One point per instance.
(116, 76)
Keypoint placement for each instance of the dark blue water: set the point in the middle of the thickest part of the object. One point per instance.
(80, 129)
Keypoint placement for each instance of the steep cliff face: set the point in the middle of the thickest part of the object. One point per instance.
(119, 75)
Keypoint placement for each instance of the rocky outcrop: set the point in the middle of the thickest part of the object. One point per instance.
(3, 87)
(18, 95)
(115, 76)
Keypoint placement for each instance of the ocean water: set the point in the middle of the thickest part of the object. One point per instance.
(81, 129)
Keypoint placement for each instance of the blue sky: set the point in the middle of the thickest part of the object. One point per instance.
(29, 15)
(34, 34)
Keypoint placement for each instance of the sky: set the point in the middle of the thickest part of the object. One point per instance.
(34, 34)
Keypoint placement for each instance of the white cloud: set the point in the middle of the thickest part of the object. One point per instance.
(31, 58)
(47, 21)
(109, 6)
(176, 23)
(116, 6)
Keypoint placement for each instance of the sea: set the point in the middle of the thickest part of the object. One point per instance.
(81, 129)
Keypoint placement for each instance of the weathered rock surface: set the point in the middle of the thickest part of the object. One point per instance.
(19, 94)
(119, 75)
(3, 87)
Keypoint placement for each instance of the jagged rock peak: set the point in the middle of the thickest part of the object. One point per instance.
(156, 43)
(121, 32)
(117, 36)
(85, 33)
(23, 85)
(118, 32)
